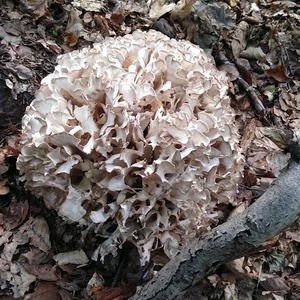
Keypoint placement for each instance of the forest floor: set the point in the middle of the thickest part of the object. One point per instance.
(256, 42)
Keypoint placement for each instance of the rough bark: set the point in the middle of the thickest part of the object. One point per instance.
(274, 211)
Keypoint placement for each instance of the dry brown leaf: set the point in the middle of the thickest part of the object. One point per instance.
(278, 73)
(249, 178)
(70, 39)
(42, 272)
(103, 25)
(48, 291)
(35, 256)
(113, 293)
(15, 214)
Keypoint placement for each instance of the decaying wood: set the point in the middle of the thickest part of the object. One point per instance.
(274, 211)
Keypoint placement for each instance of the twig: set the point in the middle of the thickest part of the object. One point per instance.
(253, 94)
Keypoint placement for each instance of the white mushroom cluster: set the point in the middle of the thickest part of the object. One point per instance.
(138, 131)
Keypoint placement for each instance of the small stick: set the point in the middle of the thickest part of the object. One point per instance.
(253, 94)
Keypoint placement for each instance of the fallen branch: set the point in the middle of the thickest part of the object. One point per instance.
(274, 211)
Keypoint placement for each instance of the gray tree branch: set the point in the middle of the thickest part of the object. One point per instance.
(274, 211)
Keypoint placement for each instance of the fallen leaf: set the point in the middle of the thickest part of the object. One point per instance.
(3, 167)
(96, 281)
(77, 257)
(42, 272)
(249, 178)
(231, 70)
(50, 45)
(113, 293)
(74, 29)
(36, 256)
(253, 53)
(23, 72)
(18, 279)
(182, 9)
(239, 41)
(117, 19)
(217, 15)
(103, 25)
(15, 214)
(278, 73)
(274, 284)
(276, 261)
(164, 26)
(39, 234)
(47, 291)
(278, 136)
(158, 8)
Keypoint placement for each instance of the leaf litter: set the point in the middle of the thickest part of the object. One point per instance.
(256, 43)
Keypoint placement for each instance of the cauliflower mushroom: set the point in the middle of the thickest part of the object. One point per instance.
(137, 130)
